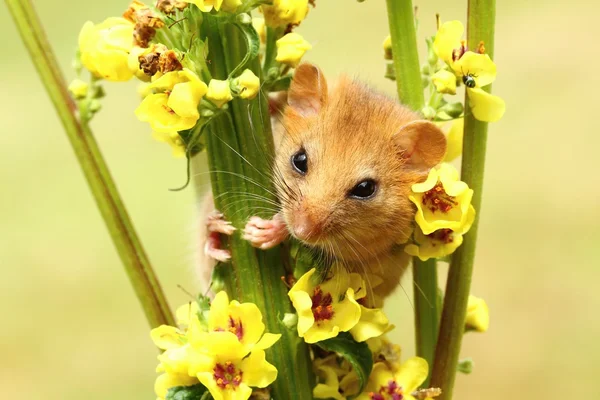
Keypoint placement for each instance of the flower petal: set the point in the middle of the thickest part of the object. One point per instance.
(455, 140)
(257, 371)
(183, 101)
(372, 323)
(412, 373)
(484, 106)
(268, 340)
(167, 337)
(480, 66)
(447, 39)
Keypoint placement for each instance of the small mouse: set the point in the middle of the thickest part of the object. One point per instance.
(346, 158)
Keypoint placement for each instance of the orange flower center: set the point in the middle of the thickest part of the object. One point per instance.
(321, 305)
(391, 391)
(436, 199)
(234, 327)
(227, 376)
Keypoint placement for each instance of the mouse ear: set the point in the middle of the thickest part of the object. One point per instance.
(422, 143)
(308, 90)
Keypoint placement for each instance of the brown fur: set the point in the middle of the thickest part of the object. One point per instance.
(350, 134)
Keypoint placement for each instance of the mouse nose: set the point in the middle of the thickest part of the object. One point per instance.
(305, 226)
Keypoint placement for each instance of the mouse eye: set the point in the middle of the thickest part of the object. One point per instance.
(364, 190)
(300, 162)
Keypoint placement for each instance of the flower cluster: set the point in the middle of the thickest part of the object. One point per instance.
(389, 379)
(444, 213)
(338, 304)
(179, 93)
(221, 348)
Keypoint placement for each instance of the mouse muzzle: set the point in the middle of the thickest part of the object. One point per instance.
(305, 225)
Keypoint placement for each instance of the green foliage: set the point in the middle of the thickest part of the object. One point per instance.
(195, 392)
(357, 354)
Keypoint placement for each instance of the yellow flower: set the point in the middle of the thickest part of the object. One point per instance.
(78, 88)
(443, 201)
(454, 140)
(478, 315)
(327, 308)
(105, 48)
(285, 12)
(291, 48)
(444, 81)
(206, 5)
(329, 386)
(437, 244)
(219, 92)
(228, 376)
(166, 381)
(476, 70)
(242, 320)
(387, 48)
(387, 384)
(172, 139)
(247, 84)
(175, 105)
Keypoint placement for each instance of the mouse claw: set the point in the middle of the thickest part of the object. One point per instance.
(216, 225)
(265, 233)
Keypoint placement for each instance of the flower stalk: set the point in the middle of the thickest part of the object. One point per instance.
(481, 19)
(120, 227)
(254, 275)
(410, 92)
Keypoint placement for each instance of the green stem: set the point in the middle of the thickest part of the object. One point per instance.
(426, 308)
(135, 261)
(481, 19)
(406, 56)
(410, 92)
(253, 275)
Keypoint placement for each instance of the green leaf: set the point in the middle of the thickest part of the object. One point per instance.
(252, 46)
(195, 392)
(282, 83)
(357, 354)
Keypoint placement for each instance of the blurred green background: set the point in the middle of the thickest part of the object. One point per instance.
(71, 326)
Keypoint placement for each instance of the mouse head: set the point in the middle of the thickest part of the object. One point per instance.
(346, 163)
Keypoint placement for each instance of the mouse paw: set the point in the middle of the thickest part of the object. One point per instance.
(265, 234)
(216, 225)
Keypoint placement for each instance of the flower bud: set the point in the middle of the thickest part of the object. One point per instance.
(219, 92)
(78, 88)
(387, 48)
(444, 81)
(428, 112)
(465, 366)
(290, 320)
(291, 48)
(452, 110)
(478, 315)
(390, 72)
(454, 140)
(247, 84)
(259, 26)
(285, 12)
(244, 19)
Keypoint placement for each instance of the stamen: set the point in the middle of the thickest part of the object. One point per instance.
(322, 307)
(436, 199)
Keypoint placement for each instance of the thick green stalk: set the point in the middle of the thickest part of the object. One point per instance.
(253, 275)
(481, 19)
(406, 56)
(135, 261)
(425, 289)
(410, 92)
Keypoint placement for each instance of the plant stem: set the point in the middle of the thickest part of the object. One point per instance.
(406, 56)
(425, 290)
(410, 92)
(253, 275)
(135, 261)
(481, 19)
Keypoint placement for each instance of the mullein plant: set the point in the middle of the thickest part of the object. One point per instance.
(281, 325)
